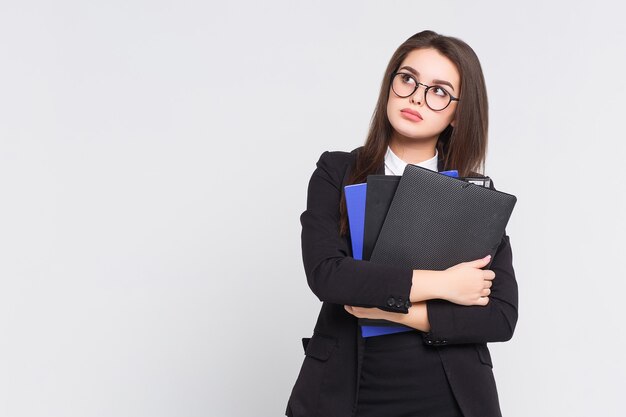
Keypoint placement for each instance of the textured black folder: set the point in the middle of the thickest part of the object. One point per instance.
(436, 221)
(380, 192)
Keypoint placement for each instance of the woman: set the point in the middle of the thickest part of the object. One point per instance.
(431, 111)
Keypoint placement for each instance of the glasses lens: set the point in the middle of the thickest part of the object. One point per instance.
(437, 98)
(403, 85)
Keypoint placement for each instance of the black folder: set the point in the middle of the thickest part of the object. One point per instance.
(435, 221)
(379, 194)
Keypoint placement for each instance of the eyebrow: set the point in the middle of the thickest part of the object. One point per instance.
(416, 73)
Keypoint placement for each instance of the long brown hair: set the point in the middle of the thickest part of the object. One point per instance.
(462, 147)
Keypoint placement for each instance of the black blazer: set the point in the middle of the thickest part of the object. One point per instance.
(327, 385)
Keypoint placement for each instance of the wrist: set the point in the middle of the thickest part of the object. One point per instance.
(426, 285)
(417, 317)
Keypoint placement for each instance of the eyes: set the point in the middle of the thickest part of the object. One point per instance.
(432, 89)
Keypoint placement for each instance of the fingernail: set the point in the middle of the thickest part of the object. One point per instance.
(488, 256)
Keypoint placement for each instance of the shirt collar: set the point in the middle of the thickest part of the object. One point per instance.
(395, 166)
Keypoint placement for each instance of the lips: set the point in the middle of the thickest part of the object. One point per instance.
(411, 114)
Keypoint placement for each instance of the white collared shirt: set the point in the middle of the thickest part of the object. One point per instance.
(395, 166)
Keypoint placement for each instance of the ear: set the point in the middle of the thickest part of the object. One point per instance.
(452, 122)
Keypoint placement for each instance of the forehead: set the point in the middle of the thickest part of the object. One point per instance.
(432, 65)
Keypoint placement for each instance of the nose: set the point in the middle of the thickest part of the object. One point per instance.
(417, 97)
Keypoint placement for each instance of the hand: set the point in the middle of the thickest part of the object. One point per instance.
(374, 313)
(467, 284)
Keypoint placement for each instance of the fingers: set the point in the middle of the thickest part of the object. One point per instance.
(366, 312)
(488, 274)
(483, 301)
(484, 294)
(355, 311)
(479, 263)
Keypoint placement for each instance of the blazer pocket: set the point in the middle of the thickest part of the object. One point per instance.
(310, 388)
(483, 354)
(319, 346)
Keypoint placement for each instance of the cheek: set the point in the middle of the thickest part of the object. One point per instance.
(451, 120)
(452, 113)
(447, 118)
(394, 102)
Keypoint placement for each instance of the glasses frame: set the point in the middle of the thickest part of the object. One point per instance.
(417, 85)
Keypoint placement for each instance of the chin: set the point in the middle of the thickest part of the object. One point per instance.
(402, 130)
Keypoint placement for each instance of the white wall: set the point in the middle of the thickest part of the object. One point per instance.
(149, 150)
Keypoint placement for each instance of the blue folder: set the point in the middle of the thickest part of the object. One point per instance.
(355, 204)
(452, 173)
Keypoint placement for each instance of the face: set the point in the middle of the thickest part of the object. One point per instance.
(429, 67)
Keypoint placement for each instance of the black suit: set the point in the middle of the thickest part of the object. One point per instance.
(327, 385)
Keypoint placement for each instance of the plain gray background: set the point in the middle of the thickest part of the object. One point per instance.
(154, 160)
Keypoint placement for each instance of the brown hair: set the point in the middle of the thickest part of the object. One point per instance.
(463, 147)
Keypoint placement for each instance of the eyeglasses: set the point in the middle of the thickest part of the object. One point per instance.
(437, 98)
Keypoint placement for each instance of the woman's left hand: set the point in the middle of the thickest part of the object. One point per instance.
(374, 313)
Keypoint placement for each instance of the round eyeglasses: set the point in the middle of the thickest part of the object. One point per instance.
(405, 85)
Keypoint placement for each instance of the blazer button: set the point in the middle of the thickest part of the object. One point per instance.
(407, 304)
(391, 301)
(399, 303)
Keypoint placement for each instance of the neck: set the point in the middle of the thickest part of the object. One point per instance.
(411, 151)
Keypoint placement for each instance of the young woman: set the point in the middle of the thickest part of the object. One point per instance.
(431, 111)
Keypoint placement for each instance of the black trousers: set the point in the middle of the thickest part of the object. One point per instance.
(403, 377)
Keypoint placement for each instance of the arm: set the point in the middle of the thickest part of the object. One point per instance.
(417, 317)
(447, 323)
(331, 273)
(494, 322)
(464, 284)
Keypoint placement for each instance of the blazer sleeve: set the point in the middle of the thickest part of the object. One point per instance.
(494, 322)
(332, 274)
